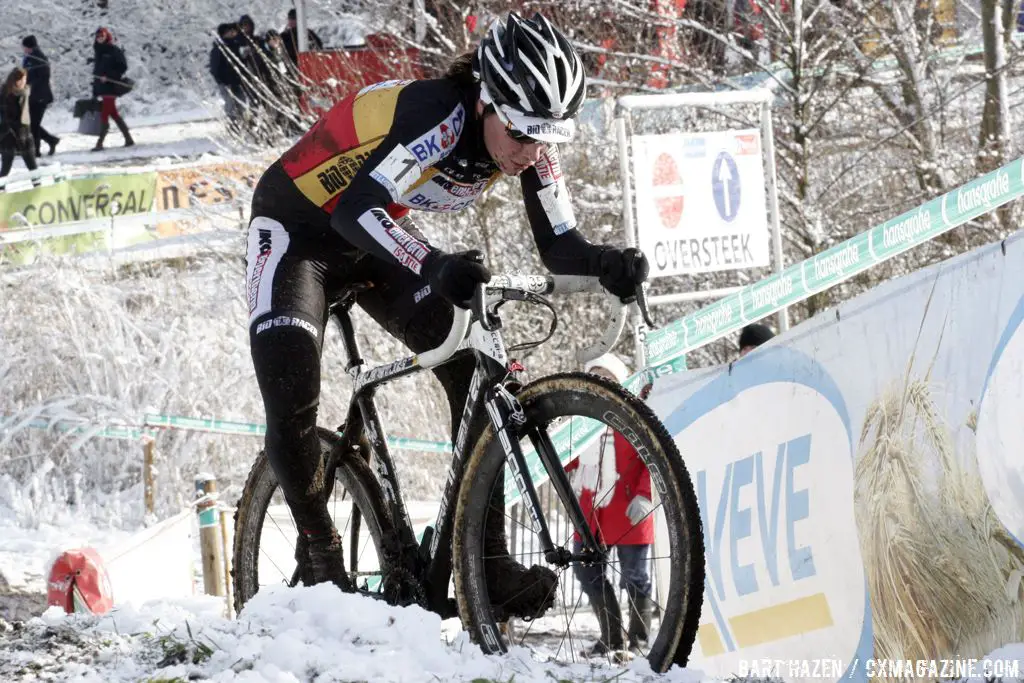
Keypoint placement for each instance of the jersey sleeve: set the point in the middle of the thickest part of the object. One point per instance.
(563, 250)
(424, 131)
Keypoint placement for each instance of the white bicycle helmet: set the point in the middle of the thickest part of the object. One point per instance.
(532, 76)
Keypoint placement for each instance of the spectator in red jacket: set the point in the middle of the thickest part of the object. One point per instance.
(614, 488)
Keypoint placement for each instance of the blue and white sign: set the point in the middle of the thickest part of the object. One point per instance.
(725, 186)
(701, 202)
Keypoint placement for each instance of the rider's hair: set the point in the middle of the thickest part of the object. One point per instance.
(461, 69)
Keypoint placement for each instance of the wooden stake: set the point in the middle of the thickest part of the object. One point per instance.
(209, 538)
(227, 560)
(148, 456)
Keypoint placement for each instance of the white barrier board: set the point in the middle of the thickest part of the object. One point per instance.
(842, 485)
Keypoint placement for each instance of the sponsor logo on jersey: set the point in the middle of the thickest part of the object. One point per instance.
(265, 249)
(336, 177)
(457, 189)
(287, 321)
(438, 142)
(406, 249)
(421, 201)
(441, 193)
(549, 168)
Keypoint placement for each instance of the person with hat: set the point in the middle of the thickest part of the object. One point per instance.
(108, 69)
(752, 336)
(290, 38)
(41, 97)
(614, 489)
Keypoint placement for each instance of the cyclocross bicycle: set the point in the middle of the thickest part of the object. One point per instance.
(529, 435)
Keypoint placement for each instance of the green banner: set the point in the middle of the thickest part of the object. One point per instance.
(37, 213)
(81, 199)
(151, 420)
(827, 269)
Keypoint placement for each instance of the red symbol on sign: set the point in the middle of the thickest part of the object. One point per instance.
(670, 209)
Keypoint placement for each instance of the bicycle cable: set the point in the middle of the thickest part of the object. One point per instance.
(530, 297)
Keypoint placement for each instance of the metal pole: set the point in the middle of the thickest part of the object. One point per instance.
(695, 99)
(768, 140)
(700, 295)
(420, 19)
(639, 330)
(300, 26)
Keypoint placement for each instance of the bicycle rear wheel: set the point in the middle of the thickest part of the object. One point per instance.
(265, 537)
(575, 410)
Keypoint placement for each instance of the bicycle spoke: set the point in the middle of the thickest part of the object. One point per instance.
(568, 630)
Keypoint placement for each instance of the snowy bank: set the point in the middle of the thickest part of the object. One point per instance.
(282, 636)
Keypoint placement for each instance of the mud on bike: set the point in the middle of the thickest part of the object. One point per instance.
(524, 438)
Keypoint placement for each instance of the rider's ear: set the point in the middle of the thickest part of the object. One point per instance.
(479, 108)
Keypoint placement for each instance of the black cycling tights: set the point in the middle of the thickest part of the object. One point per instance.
(289, 280)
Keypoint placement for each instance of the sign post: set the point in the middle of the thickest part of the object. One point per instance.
(704, 202)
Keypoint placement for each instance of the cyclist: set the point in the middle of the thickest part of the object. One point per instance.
(334, 209)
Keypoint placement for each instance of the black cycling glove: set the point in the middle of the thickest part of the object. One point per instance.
(455, 277)
(620, 270)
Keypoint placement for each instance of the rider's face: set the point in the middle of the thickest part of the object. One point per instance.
(512, 156)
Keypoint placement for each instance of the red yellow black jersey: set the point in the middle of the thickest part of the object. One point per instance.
(401, 145)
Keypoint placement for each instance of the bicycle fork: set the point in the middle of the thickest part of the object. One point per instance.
(507, 416)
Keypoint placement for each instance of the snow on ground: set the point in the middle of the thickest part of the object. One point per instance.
(283, 635)
(26, 553)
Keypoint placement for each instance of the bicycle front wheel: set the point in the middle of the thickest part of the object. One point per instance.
(658, 612)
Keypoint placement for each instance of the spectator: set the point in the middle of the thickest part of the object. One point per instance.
(290, 38)
(252, 48)
(282, 80)
(225, 62)
(41, 97)
(614, 488)
(108, 70)
(752, 336)
(259, 72)
(15, 123)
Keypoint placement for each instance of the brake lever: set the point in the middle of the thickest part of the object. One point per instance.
(479, 307)
(641, 301)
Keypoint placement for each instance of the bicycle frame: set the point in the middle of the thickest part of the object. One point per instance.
(491, 374)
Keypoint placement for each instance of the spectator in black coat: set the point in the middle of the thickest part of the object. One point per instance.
(253, 51)
(38, 68)
(225, 63)
(290, 37)
(108, 69)
(15, 125)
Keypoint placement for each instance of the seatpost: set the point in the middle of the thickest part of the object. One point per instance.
(348, 335)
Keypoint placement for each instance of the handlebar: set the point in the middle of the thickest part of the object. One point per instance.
(518, 287)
